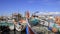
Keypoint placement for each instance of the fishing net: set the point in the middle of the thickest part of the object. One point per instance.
(40, 26)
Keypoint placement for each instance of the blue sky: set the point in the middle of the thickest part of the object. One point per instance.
(13, 6)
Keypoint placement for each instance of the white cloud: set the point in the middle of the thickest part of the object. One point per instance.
(48, 13)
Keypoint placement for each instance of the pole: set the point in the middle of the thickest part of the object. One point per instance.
(14, 30)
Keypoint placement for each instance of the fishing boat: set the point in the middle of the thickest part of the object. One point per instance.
(42, 25)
